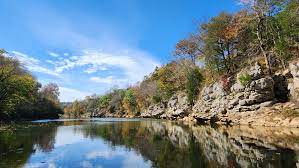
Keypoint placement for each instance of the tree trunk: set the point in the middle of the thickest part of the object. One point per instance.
(261, 44)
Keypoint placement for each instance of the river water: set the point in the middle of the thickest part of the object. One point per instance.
(130, 143)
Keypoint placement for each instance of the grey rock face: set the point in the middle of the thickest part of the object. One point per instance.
(177, 107)
(216, 100)
(237, 87)
(261, 91)
(293, 85)
(256, 71)
(154, 111)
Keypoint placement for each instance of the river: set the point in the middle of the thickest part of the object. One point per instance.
(129, 143)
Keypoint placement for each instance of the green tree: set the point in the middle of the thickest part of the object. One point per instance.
(287, 31)
(130, 103)
(16, 86)
(194, 79)
(189, 48)
(104, 101)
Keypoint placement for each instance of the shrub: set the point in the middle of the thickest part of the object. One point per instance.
(130, 102)
(157, 99)
(194, 79)
(104, 101)
(245, 79)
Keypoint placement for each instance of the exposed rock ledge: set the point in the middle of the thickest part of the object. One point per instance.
(281, 114)
(256, 103)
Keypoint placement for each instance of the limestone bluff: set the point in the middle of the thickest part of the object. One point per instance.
(266, 101)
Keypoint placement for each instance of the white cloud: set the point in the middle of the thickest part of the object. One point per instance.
(135, 160)
(50, 62)
(68, 94)
(53, 54)
(130, 159)
(133, 65)
(109, 80)
(66, 54)
(104, 154)
(32, 64)
(94, 69)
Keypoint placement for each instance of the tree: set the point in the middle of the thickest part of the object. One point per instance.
(16, 86)
(221, 36)
(287, 26)
(20, 93)
(270, 28)
(194, 79)
(50, 92)
(189, 48)
(129, 102)
(104, 101)
(117, 96)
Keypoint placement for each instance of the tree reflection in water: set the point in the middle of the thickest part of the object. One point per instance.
(161, 143)
(19, 142)
(167, 144)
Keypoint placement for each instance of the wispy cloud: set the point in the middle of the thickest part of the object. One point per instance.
(32, 64)
(111, 57)
(53, 54)
(109, 80)
(133, 65)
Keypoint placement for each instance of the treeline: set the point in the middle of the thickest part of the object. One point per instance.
(21, 96)
(265, 31)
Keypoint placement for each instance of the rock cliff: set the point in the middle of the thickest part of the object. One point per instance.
(240, 102)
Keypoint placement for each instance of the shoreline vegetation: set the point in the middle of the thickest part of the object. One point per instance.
(237, 68)
(22, 97)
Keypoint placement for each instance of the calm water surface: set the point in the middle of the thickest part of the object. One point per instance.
(126, 143)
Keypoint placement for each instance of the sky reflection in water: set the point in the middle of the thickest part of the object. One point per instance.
(73, 149)
(145, 143)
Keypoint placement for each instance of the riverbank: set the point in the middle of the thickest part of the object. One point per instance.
(277, 115)
(263, 100)
(251, 96)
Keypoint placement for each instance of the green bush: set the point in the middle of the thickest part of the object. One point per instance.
(157, 99)
(245, 79)
(194, 79)
(130, 102)
(104, 101)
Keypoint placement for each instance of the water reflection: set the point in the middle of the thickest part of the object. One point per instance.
(146, 143)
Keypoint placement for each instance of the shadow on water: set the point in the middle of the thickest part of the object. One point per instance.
(159, 143)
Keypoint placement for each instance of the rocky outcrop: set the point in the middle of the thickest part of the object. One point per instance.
(227, 102)
(176, 107)
(294, 81)
(258, 92)
(154, 111)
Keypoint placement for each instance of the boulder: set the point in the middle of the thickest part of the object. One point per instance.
(214, 99)
(237, 87)
(256, 71)
(177, 106)
(154, 111)
(293, 85)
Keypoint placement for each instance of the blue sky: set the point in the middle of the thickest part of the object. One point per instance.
(90, 46)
